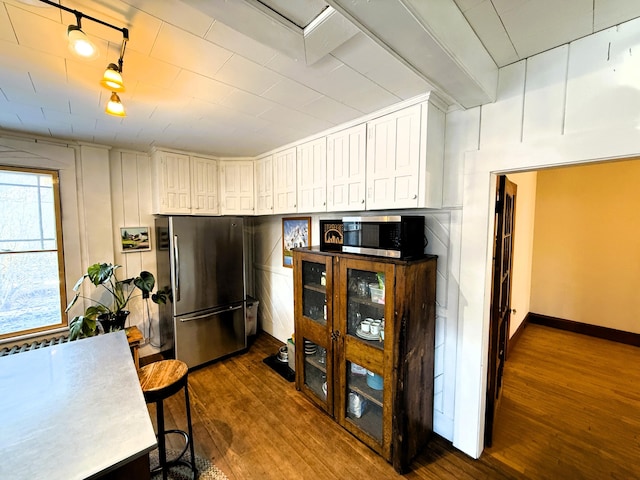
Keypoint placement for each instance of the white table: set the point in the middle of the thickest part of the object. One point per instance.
(72, 411)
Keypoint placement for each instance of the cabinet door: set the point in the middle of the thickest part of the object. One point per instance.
(236, 187)
(393, 160)
(364, 326)
(346, 161)
(313, 326)
(204, 186)
(172, 182)
(311, 159)
(284, 181)
(263, 169)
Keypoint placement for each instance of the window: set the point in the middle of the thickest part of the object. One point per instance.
(32, 287)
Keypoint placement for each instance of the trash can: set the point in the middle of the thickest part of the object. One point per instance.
(291, 354)
(251, 315)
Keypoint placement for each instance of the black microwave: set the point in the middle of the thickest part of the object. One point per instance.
(395, 236)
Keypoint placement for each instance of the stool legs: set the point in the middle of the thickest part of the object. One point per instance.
(193, 456)
(162, 450)
(164, 465)
(159, 381)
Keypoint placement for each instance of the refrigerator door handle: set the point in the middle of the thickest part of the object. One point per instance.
(176, 267)
(210, 313)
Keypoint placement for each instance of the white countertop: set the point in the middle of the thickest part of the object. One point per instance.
(71, 411)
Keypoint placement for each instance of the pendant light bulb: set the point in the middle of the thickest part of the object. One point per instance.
(112, 79)
(115, 107)
(80, 44)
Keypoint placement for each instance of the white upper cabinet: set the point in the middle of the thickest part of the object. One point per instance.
(263, 171)
(393, 160)
(431, 175)
(236, 187)
(204, 186)
(312, 176)
(184, 184)
(285, 185)
(404, 159)
(346, 162)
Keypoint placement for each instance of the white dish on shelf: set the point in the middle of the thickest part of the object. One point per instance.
(367, 336)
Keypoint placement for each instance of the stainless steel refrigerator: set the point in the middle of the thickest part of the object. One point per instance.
(201, 259)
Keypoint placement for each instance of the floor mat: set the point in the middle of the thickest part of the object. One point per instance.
(281, 368)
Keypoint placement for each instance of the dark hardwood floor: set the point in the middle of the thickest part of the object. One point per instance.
(570, 407)
(565, 413)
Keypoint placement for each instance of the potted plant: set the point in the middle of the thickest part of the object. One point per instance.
(110, 317)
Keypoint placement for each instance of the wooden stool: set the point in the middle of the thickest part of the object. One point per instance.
(160, 380)
(134, 337)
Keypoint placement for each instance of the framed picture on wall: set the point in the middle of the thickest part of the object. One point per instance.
(296, 233)
(135, 239)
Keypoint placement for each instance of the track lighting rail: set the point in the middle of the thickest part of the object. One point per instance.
(79, 15)
(112, 78)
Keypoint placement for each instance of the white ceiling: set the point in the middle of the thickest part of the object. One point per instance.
(230, 78)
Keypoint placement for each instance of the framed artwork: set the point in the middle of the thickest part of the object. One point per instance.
(296, 233)
(135, 239)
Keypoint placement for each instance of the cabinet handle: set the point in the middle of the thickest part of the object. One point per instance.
(415, 196)
(362, 201)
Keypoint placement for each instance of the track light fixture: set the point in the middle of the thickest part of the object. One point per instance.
(112, 80)
(115, 107)
(80, 44)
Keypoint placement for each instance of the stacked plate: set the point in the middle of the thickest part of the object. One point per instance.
(309, 347)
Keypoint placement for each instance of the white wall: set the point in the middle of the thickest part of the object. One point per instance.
(130, 174)
(576, 103)
(522, 247)
(274, 283)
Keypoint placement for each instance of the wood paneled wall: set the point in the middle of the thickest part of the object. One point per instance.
(130, 175)
(574, 104)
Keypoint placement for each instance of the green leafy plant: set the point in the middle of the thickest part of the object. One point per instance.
(121, 291)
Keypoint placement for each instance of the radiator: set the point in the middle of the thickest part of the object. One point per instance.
(32, 346)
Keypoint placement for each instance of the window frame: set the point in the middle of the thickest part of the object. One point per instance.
(57, 201)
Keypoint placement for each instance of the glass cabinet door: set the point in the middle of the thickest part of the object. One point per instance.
(365, 306)
(365, 373)
(314, 292)
(365, 400)
(314, 361)
(315, 369)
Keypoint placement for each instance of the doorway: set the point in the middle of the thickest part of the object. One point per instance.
(576, 267)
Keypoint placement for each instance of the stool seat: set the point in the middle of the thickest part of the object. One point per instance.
(159, 381)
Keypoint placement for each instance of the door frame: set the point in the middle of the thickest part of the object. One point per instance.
(480, 170)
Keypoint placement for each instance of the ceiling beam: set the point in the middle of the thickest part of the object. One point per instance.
(254, 19)
(434, 40)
